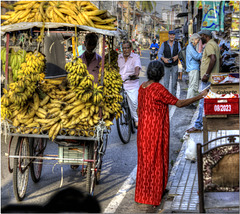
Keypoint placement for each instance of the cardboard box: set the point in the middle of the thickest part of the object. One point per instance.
(217, 106)
(226, 88)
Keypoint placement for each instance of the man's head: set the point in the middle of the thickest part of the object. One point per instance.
(171, 35)
(206, 35)
(127, 48)
(90, 42)
(154, 41)
(194, 39)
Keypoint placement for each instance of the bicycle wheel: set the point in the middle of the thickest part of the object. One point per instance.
(36, 145)
(90, 181)
(20, 169)
(124, 125)
(133, 126)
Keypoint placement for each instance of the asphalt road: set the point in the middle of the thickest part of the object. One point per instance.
(116, 189)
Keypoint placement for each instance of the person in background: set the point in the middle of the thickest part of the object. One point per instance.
(153, 135)
(139, 49)
(154, 44)
(210, 64)
(90, 57)
(168, 53)
(130, 65)
(180, 67)
(134, 46)
(193, 66)
(81, 49)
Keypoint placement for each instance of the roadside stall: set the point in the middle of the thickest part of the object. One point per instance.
(59, 103)
(221, 106)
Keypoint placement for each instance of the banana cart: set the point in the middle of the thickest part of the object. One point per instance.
(76, 149)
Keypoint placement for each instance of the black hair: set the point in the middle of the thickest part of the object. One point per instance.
(127, 42)
(155, 71)
(91, 36)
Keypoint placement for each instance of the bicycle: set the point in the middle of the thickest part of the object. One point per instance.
(125, 123)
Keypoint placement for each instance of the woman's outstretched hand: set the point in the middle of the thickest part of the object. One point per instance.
(204, 93)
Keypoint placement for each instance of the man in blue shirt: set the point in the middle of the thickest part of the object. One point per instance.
(153, 50)
(154, 44)
(168, 53)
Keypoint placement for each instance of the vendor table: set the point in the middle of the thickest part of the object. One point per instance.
(219, 122)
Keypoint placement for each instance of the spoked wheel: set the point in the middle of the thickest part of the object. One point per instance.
(124, 125)
(91, 178)
(20, 168)
(36, 149)
(133, 126)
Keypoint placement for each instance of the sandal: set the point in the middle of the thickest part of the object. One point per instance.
(193, 130)
(74, 167)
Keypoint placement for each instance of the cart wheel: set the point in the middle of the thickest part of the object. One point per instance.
(124, 125)
(20, 169)
(36, 145)
(91, 179)
(100, 159)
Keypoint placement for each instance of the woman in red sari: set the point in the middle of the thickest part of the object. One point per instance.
(153, 135)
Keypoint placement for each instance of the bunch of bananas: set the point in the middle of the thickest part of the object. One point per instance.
(15, 61)
(82, 82)
(112, 58)
(57, 111)
(112, 85)
(30, 73)
(73, 12)
(76, 70)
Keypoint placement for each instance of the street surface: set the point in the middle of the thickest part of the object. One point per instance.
(115, 192)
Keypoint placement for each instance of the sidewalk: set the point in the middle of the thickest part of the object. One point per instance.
(183, 181)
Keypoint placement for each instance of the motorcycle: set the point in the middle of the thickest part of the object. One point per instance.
(153, 53)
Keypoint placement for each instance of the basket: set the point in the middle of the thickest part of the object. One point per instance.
(79, 153)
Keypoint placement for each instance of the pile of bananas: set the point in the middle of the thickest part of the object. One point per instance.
(112, 85)
(30, 73)
(58, 111)
(73, 12)
(15, 61)
(81, 82)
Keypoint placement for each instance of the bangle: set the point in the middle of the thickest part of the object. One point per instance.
(206, 75)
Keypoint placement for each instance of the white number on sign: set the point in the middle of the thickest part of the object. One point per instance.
(222, 108)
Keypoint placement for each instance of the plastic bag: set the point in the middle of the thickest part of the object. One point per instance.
(191, 151)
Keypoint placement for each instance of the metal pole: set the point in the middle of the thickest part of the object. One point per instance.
(128, 18)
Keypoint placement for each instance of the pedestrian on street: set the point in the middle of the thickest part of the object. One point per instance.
(193, 66)
(168, 53)
(130, 65)
(153, 135)
(210, 64)
(90, 57)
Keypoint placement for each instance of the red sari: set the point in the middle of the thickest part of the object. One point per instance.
(153, 143)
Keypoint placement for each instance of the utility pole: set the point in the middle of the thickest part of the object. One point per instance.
(128, 18)
(134, 17)
(122, 17)
(154, 22)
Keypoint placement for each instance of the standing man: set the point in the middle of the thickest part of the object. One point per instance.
(210, 64)
(168, 53)
(130, 64)
(193, 66)
(90, 57)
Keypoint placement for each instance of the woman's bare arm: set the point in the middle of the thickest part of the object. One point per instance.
(186, 102)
